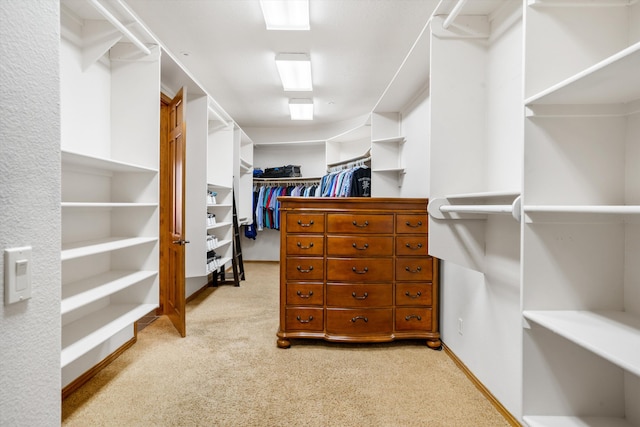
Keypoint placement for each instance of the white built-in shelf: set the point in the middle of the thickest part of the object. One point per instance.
(219, 205)
(613, 80)
(92, 163)
(393, 140)
(219, 187)
(484, 195)
(219, 225)
(245, 166)
(222, 243)
(395, 170)
(104, 205)
(557, 421)
(86, 333)
(612, 335)
(93, 247)
(221, 262)
(581, 213)
(83, 292)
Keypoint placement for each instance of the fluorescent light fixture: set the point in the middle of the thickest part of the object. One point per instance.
(286, 14)
(295, 71)
(301, 109)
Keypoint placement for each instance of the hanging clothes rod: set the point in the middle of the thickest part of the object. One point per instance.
(116, 23)
(349, 164)
(440, 208)
(454, 14)
(285, 181)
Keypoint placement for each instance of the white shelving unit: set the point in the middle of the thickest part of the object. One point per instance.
(222, 230)
(476, 128)
(243, 176)
(110, 159)
(581, 203)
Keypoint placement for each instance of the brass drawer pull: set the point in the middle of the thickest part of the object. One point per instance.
(408, 224)
(366, 245)
(366, 223)
(301, 270)
(414, 316)
(305, 225)
(304, 321)
(355, 319)
(417, 270)
(419, 246)
(364, 296)
(417, 295)
(305, 247)
(366, 269)
(301, 295)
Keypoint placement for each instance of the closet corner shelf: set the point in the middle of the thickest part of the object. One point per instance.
(475, 206)
(587, 329)
(219, 225)
(219, 205)
(83, 292)
(559, 421)
(393, 140)
(397, 170)
(106, 205)
(222, 243)
(88, 332)
(613, 80)
(93, 247)
(93, 162)
(219, 187)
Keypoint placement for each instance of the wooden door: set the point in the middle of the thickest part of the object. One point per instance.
(172, 187)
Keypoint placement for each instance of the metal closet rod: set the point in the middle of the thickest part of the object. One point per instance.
(454, 13)
(439, 207)
(120, 26)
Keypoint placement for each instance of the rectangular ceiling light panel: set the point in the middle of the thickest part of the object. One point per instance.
(295, 71)
(301, 109)
(286, 14)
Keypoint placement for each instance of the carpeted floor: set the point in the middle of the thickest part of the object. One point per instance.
(229, 372)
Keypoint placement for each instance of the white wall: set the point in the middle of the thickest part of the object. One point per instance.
(30, 203)
(415, 129)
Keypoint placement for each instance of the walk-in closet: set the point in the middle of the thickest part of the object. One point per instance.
(461, 196)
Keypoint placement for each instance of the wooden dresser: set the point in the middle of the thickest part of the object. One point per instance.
(356, 270)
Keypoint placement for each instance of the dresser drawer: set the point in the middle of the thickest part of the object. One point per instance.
(359, 321)
(358, 245)
(412, 224)
(305, 223)
(305, 244)
(360, 223)
(370, 295)
(359, 269)
(413, 319)
(304, 319)
(300, 268)
(414, 268)
(305, 294)
(412, 245)
(414, 294)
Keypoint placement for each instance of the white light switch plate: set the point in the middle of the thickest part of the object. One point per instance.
(17, 274)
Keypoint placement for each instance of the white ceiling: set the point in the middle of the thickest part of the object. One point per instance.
(356, 48)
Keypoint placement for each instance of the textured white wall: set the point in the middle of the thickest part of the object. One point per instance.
(30, 209)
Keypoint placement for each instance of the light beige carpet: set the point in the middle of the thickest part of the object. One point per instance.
(229, 372)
